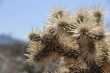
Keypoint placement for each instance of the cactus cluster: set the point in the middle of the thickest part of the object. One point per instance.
(71, 43)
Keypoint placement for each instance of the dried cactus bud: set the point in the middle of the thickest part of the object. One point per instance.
(34, 37)
(98, 16)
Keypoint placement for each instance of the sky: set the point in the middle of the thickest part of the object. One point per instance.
(18, 17)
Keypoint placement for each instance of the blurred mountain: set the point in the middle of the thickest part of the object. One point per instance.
(6, 39)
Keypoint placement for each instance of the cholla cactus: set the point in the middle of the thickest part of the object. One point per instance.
(74, 38)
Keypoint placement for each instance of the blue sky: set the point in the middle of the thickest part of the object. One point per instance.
(17, 17)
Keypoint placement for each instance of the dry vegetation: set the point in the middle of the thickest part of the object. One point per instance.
(71, 44)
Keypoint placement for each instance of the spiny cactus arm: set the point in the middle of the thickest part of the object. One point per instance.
(103, 50)
(90, 32)
(87, 18)
(35, 46)
(63, 29)
(56, 15)
(105, 54)
(97, 32)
